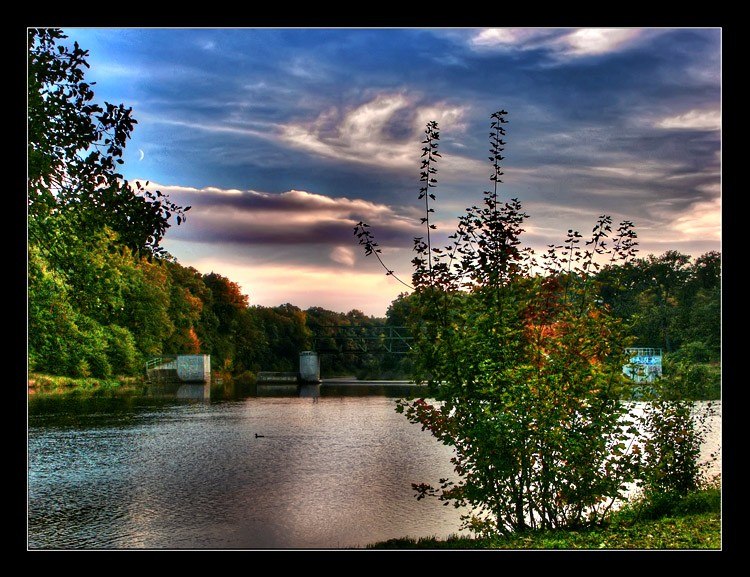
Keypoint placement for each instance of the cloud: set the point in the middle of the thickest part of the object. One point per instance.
(216, 127)
(343, 255)
(563, 43)
(294, 217)
(591, 41)
(385, 131)
(519, 38)
(266, 283)
(701, 221)
(693, 120)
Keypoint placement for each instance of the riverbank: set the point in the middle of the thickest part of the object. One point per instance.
(693, 523)
(40, 384)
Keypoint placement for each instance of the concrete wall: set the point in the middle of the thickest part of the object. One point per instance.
(194, 368)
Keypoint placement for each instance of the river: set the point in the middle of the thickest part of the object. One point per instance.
(327, 472)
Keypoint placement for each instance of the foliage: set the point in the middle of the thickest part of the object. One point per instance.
(701, 531)
(668, 301)
(525, 369)
(45, 387)
(74, 149)
(122, 351)
(674, 431)
(656, 505)
(688, 379)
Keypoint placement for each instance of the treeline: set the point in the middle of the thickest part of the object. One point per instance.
(97, 309)
(670, 302)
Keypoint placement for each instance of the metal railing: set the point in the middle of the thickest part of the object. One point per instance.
(161, 369)
(643, 352)
(157, 362)
(360, 339)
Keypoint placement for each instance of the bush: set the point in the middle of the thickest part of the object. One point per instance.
(692, 352)
(674, 433)
(655, 505)
(704, 501)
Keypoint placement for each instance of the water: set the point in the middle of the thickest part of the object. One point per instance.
(329, 472)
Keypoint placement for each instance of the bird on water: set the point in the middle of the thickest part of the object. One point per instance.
(257, 436)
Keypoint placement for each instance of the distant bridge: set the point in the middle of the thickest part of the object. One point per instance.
(361, 339)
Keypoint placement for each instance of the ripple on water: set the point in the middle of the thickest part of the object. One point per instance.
(334, 473)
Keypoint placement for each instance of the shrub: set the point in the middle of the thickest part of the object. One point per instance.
(674, 432)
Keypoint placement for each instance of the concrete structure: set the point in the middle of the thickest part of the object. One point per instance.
(194, 368)
(644, 365)
(309, 367)
(185, 376)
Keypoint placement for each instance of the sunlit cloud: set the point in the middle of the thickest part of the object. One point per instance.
(701, 221)
(343, 255)
(693, 120)
(385, 131)
(561, 42)
(590, 41)
(516, 38)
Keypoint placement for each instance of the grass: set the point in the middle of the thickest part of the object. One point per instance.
(55, 385)
(692, 522)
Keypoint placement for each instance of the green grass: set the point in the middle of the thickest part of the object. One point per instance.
(54, 385)
(693, 522)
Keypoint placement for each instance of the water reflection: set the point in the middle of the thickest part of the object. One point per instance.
(339, 388)
(332, 473)
(332, 470)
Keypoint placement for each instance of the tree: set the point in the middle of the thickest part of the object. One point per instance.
(74, 149)
(187, 295)
(525, 369)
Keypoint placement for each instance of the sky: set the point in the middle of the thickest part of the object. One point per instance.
(281, 140)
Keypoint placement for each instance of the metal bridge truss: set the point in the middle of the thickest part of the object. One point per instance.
(361, 339)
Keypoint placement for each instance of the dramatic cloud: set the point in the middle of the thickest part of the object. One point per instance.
(343, 255)
(283, 139)
(702, 220)
(384, 131)
(294, 217)
(590, 41)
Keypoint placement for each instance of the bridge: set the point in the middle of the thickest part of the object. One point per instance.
(361, 339)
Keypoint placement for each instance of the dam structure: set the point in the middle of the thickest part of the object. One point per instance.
(185, 376)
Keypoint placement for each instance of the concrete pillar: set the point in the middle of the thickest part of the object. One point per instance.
(309, 367)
